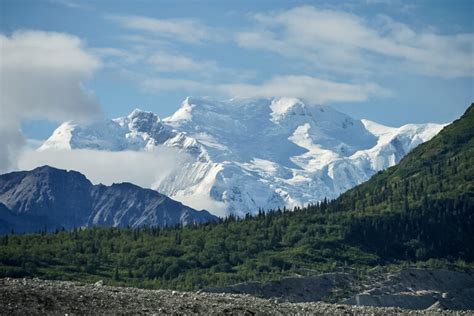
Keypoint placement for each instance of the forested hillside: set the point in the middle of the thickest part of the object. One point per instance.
(423, 207)
(420, 211)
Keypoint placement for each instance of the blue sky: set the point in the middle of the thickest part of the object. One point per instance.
(394, 62)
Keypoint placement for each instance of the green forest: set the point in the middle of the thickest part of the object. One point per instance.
(420, 211)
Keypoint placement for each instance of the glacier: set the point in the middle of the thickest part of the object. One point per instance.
(253, 154)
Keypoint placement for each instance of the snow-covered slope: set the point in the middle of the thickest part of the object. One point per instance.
(258, 153)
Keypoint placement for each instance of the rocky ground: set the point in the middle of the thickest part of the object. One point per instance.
(418, 289)
(34, 296)
(409, 288)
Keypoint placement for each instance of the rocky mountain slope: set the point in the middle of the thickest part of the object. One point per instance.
(251, 154)
(50, 198)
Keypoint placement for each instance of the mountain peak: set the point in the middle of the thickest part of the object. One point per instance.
(139, 113)
(52, 172)
(143, 121)
(184, 113)
(49, 169)
(45, 168)
(135, 112)
(50, 198)
(282, 106)
(247, 154)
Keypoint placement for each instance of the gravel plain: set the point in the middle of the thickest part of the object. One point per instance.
(35, 296)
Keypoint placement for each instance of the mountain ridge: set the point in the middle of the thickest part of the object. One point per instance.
(50, 198)
(251, 154)
(417, 213)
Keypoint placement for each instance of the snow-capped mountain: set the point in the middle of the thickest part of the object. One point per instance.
(251, 154)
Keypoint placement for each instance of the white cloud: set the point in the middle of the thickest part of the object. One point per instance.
(11, 142)
(313, 89)
(377, 1)
(107, 52)
(144, 41)
(185, 30)
(166, 62)
(72, 4)
(138, 167)
(345, 42)
(41, 75)
(202, 201)
(188, 69)
(146, 169)
(118, 58)
(159, 84)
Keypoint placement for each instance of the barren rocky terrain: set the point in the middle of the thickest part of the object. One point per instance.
(35, 296)
(409, 288)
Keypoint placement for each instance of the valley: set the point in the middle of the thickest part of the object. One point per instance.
(394, 219)
(236, 157)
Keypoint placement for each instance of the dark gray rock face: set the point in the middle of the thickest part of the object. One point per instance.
(50, 198)
(126, 204)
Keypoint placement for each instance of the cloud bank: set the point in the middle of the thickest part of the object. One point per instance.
(42, 76)
(145, 169)
(345, 42)
(315, 90)
(312, 89)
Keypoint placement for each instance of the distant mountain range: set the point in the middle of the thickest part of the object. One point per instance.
(419, 212)
(47, 198)
(254, 154)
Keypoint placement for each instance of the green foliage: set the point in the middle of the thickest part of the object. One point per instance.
(423, 207)
(420, 211)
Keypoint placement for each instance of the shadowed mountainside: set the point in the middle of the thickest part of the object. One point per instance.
(47, 198)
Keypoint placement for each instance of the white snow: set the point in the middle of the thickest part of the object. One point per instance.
(254, 153)
(183, 113)
(281, 106)
(61, 138)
